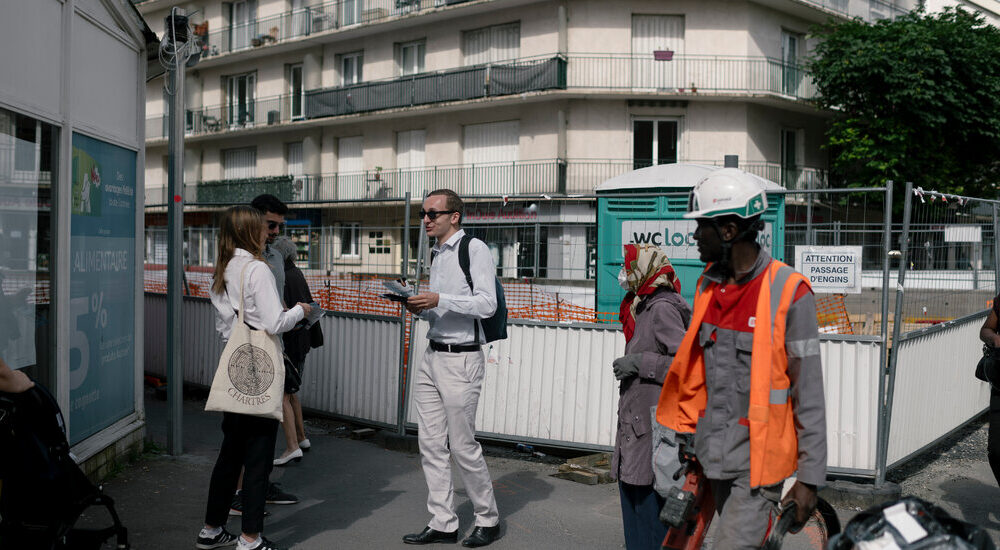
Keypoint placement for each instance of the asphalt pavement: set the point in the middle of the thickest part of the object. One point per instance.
(355, 494)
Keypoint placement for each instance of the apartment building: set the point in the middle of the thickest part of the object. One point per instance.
(538, 100)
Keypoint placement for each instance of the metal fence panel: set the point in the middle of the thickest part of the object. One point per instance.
(850, 384)
(546, 383)
(553, 384)
(355, 374)
(935, 391)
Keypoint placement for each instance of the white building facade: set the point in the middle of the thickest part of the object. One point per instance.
(371, 99)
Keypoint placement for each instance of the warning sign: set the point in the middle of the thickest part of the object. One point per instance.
(831, 269)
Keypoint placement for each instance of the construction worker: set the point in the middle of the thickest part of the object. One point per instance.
(746, 381)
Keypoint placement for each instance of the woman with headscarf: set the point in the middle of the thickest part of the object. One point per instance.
(654, 317)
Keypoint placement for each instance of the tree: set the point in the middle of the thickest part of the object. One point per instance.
(914, 99)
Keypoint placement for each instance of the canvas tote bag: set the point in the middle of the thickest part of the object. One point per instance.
(250, 378)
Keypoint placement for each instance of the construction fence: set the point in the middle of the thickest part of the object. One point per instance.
(933, 268)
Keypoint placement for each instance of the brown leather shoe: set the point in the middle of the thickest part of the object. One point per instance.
(430, 536)
(482, 536)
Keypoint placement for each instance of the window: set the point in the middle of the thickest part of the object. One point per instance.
(378, 243)
(410, 162)
(654, 142)
(300, 18)
(239, 163)
(242, 23)
(350, 68)
(29, 173)
(240, 91)
(296, 93)
(791, 155)
(491, 44)
(293, 157)
(792, 74)
(352, 11)
(410, 57)
(351, 179)
(349, 240)
(652, 33)
(490, 153)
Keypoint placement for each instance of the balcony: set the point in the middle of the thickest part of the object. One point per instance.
(321, 18)
(535, 177)
(688, 75)
(507, 78)
(869, 10)
(685, 76)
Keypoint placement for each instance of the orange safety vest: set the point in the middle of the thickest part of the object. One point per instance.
(773, 441)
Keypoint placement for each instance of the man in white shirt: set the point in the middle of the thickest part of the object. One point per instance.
(447, 383)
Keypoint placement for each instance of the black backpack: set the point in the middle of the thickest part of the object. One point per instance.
(494, 327)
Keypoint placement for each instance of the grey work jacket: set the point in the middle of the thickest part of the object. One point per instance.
(722, 442)
(660, 322)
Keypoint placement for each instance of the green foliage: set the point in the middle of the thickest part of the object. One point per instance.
(914, 99)
(242, 191)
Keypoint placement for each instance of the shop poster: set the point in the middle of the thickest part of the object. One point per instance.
(102, 286)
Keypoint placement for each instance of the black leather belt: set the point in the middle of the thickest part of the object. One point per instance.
(455, 348)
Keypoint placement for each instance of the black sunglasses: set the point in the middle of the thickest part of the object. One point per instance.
(434, 213)
(276, 225)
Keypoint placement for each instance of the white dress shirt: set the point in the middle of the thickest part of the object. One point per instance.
(452, 320)
(262, 307)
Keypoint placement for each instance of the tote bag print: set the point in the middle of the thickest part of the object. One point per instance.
(250, 376)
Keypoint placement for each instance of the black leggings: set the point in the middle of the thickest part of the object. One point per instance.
(248, 441)
(993, 440)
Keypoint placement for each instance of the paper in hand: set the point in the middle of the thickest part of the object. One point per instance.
(399, 286)
(314, 315)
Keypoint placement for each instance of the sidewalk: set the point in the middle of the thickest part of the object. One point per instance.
(357, 495)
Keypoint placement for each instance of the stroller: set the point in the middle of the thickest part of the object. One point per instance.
(42, 490)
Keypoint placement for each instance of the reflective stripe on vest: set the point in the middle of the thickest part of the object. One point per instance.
(773, 440)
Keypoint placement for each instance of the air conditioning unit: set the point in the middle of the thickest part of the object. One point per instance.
(273, 117)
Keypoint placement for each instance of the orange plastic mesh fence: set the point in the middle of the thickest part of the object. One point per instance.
(831, 314)
(525, 300)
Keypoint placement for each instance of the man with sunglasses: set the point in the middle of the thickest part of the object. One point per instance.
(448, 381)
(274, 211)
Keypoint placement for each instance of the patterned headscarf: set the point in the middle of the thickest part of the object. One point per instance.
(646, 269)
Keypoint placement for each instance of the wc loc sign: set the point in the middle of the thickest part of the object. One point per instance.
(676, 237)
(831, 269)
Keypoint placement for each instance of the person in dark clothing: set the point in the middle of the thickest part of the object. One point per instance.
(654, 317)
(989, 335)
(297, 343)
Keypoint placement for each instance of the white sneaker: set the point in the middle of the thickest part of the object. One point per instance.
(295, 455)
(224, 538)
(304, 444)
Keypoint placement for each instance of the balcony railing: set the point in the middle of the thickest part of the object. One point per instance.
(689, 74)
(307, 21)
(686, 75)
(498, 79)
(869, 10)
(536, 177)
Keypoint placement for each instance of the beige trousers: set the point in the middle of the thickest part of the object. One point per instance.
(446, 390)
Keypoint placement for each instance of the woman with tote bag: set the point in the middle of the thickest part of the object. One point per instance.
(249, 383)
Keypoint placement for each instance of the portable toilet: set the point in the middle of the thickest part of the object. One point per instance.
(654, 214)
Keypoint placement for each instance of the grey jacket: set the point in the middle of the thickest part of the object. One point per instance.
(722, 442)
(660, 322)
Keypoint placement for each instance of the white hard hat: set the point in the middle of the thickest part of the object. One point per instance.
(726, 191)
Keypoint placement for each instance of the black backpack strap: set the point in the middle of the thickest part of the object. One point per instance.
(463, 260)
